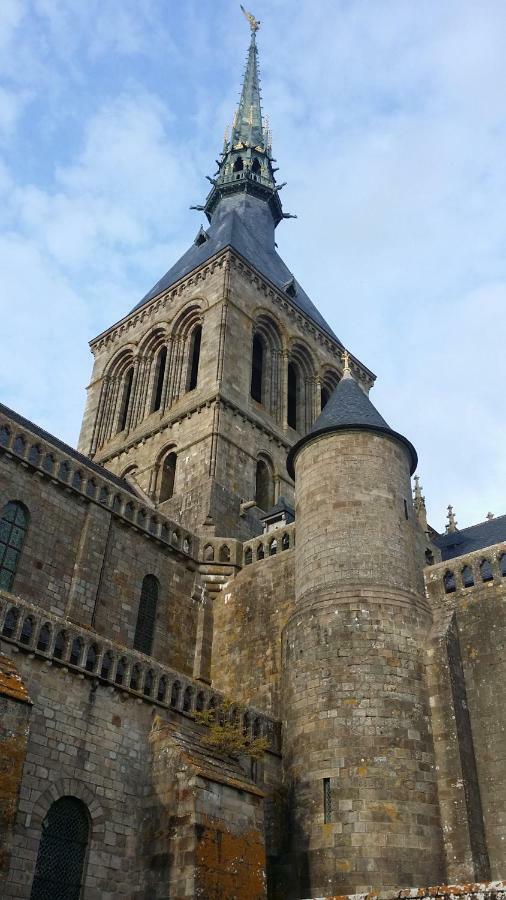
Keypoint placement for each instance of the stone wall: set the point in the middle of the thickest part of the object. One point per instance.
(249, 615)
(15, 708)
(467, 657)
(89, 545)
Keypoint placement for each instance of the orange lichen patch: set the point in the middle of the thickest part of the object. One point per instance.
(229, 865)
(385, 811)
(11, 684)
(362, 770)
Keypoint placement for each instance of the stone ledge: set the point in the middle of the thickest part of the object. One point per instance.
(479, 890)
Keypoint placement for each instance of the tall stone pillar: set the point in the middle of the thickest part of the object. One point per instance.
(358, 747)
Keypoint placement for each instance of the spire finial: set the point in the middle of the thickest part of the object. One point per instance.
(452, 522)
(254, 24)
(490, 515)
(346, 364)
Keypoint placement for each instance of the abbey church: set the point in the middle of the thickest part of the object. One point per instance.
(236, 549)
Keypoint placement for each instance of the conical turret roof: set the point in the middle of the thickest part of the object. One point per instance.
(349, 409)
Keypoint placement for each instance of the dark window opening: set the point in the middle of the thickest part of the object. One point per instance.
(238, 165)
(125, 403)
(62, 851)
(429, 557)
(146, 617)
(264, 487)
(325, 396)
(13, 528)
(257, 367)
(449, 582)
(256, 167)
(196, 339)
(486, 571)
(292, 395)
(159, 378)
(467, 576)
(406, 513)
(168, 477)
(327, 801)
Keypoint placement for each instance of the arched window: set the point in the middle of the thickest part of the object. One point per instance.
(449, 582)
(161, 363)
(264, 485)
(62, 851)
(26, 631)
(146, 617)
(292, 396)
(125, 400)
(44, 638)
(167, 477)
(257, 369)
(11, 621)
(193, 366)
(248, 556)
(256, 168)
(285, 542)
(486, 571)
(467, 576)
(175, 694)
(429, 557)
(238, 165)
(13, 527)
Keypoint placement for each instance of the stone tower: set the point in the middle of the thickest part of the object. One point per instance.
(200, 391)
(358, 747)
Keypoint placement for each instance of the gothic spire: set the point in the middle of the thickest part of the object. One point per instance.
(245, 163)
(247, 127)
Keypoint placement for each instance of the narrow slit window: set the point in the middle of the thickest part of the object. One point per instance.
(168, 477)
(159, 378)
(292, 395)
(146, 617)
(196, 340)
(125, 402)
(257, 367)
(327, 801)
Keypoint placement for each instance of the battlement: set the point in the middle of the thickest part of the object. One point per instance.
(75, 473)
(59, 642)
(269, 544)
(467, 574)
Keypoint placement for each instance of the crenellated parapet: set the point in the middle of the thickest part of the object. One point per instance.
(75, 473)
(468, 574)
(59, 642)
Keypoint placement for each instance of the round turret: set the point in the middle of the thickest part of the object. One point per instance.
(357, 749)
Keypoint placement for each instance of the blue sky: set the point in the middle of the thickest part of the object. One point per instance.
(389, 125)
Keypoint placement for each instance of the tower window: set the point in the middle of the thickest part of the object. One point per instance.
(125, 401)
(256, 168)
(159, 378)
(168, 477)
(264, 487)
(62, 851)
(13, 528)
(292, 395)
(238, 165)
(257, 367)
(325, 396)
(327, 801)
(146, 617)
(406, 513)
(194, 357)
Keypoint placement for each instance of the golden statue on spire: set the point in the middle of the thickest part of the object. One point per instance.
(345, 356)
(254, 24)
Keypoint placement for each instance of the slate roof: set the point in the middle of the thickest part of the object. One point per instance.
(239, 223)
(282, 506)
(349, 407)
(466, 540)
(66, 448)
